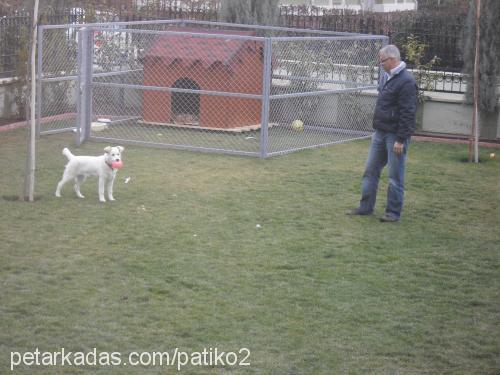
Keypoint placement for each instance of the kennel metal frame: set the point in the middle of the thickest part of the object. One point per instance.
(82, 75)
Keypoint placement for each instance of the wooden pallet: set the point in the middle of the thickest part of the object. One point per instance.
(241, 129)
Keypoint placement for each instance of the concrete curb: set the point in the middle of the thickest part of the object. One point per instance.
(22, 124)
(418, 138)
(15, 125)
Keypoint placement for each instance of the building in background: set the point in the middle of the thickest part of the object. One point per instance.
(358, 5)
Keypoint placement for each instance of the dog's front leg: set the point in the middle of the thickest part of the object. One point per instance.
(101, 189)
(66, 177)
(110, 188)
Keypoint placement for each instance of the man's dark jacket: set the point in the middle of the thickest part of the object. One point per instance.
(396, 106)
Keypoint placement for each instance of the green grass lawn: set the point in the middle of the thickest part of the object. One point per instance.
(178, 261)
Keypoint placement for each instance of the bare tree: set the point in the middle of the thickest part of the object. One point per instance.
(29, 182)
(254, 12)
(481, 51)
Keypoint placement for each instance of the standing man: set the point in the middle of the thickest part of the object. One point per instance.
(394, 123)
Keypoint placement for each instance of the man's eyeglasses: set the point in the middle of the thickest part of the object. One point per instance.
(384, 60)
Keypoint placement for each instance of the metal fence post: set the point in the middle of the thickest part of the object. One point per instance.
(39, 77)
(84, 85)
(266, 90)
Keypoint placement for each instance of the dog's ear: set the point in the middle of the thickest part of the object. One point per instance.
(121, 148)
(107, 150)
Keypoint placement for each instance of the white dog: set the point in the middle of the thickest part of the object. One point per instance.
(104, 167)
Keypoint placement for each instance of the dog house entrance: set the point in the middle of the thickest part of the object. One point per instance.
(185, 106)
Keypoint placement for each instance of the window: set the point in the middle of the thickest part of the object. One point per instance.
(294, 2)
(321, 2)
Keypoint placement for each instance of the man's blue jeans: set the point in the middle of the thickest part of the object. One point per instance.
(381, 154)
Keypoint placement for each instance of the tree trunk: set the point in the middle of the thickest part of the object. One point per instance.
(29, 182)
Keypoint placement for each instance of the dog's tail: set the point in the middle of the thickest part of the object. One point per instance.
(67, 153)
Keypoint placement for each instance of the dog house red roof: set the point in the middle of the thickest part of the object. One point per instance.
(190, 49)
(203, 63)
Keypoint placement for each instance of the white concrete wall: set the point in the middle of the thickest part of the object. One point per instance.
(442, 113)
(447, 114)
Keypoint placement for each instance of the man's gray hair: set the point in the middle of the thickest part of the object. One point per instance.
(391, 50)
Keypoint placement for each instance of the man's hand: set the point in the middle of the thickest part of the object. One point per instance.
(398, 148)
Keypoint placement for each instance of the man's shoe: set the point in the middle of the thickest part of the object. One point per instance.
(388, 218)
(357, 211)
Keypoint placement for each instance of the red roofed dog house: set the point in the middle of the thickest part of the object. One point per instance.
(203, 63)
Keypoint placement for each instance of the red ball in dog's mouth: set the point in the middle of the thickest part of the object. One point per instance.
(116, 164)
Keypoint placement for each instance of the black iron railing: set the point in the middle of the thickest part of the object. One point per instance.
(441, 31)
